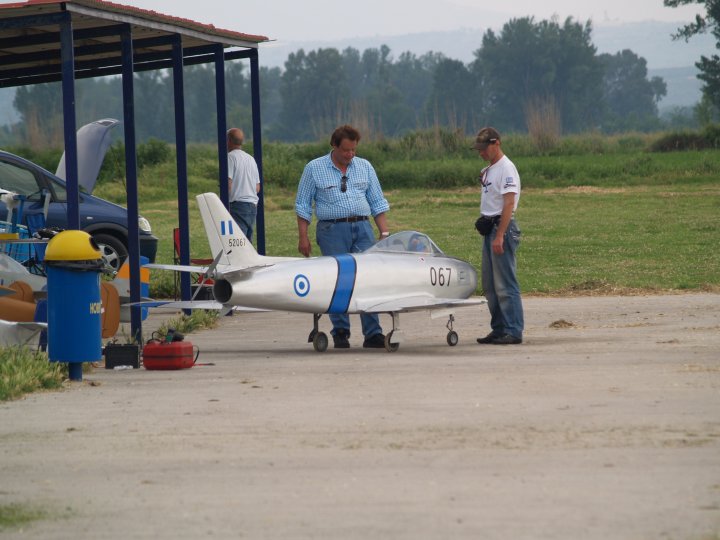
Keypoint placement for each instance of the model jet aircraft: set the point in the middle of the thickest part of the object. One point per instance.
(401, 273)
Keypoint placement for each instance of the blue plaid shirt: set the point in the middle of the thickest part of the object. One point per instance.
(320, 183)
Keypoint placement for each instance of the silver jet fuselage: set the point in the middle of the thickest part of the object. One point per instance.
(350, 283)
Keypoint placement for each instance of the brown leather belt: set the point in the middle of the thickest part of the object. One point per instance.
(352, 219)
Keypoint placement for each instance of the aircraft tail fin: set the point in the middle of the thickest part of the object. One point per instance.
(225, 236)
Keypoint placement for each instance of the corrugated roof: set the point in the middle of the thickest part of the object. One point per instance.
(30, 37)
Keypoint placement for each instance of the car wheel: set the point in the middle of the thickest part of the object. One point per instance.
(113, 250)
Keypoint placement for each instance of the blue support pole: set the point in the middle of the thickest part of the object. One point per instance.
(70, 127)
(257, 147)
(131, 180)
(220, 101)
(181, 153)
(67, 61)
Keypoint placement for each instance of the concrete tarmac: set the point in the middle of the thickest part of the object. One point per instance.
(604, 423)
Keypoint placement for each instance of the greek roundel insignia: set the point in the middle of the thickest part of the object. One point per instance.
(301, 285)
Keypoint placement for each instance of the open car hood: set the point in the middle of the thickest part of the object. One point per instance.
(93, 141)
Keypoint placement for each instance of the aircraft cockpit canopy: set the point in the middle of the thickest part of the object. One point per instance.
(407, 242)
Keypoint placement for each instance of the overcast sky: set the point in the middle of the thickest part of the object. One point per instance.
(310, 20)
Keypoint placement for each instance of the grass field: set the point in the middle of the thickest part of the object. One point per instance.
(598, 215)
(579, 239)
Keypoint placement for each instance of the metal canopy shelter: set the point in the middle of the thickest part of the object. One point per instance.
(50, 40)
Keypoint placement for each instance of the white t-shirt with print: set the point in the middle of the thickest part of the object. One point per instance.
(497, 179)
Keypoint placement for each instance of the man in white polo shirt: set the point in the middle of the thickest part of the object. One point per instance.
(501, 237)
(243, 182)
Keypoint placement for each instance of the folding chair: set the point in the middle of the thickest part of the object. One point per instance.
(36, 222)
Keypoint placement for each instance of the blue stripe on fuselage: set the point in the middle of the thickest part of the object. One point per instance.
(347, 270)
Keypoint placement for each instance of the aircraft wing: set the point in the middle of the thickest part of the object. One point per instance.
(126, 299)
(227, 273)
(194, 304)
(178, 267)
(416, 303)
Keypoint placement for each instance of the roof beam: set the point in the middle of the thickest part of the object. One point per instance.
(33, 20)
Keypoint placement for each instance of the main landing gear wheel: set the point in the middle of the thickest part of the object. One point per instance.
(452, 337)
(317, 338)
(390, 347)
(320, 342)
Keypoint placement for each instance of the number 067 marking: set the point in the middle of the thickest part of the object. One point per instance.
(440, 277)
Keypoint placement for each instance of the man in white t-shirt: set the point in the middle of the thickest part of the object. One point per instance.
(499, 200)
(243, 182)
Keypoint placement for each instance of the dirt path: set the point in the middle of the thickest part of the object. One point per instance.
(604, 424)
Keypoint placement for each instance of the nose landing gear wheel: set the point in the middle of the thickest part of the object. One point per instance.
(390, 347)
(452, 338)
(320, 342)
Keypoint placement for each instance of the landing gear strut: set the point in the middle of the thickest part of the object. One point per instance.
(317, 338)
(391, 346)
(452, 337)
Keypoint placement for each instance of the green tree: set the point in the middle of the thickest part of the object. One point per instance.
(270, 99)
(630, 99)
(314, 91)
(395, 91)
(154, 112)
(40, 108)
(709, 66)
(388, 112)
(414, 77)
(382, 97)
(451, 99)
(543, 62)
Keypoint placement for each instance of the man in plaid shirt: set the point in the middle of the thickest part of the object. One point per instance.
(345, 191)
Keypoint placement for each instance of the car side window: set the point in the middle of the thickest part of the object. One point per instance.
(60, 191)
(17, 179)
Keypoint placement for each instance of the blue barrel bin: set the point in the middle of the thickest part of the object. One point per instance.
(74, 263)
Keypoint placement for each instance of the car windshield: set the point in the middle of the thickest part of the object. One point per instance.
(407, 242)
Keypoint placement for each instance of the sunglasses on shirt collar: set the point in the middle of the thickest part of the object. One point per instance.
(343, 184)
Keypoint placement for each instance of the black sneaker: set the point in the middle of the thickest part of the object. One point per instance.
(376, 341)
(488, 339)
(341, 339)
(506, 339)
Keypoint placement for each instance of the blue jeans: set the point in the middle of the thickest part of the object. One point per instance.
(340, 238)
(499, 281)
(244, 214)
